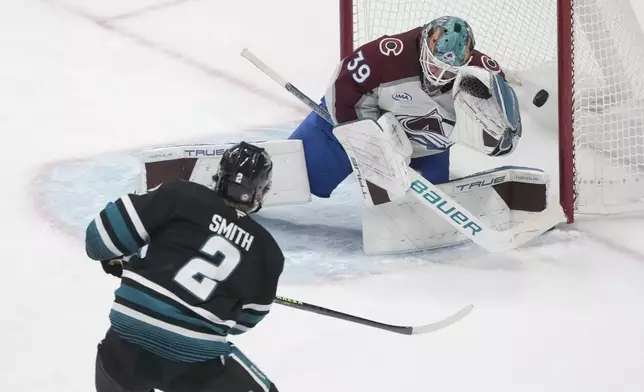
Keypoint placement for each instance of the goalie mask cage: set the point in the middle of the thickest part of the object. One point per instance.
(597, 49)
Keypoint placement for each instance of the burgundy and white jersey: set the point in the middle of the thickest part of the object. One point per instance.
(384, 75)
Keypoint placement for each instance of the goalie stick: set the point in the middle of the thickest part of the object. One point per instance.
(400, 329)
(434, 198)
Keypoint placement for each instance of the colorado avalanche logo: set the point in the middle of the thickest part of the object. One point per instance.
(427, 131)
(391, 46)
(490, 64)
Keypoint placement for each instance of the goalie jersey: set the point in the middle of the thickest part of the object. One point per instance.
(199, 269)
(385, 75)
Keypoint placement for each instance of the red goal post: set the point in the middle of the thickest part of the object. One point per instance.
(589, 54)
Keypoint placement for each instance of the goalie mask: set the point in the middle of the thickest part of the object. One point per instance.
(244, 176)
(446, 44)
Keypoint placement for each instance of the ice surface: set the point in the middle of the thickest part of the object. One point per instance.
(86, 85)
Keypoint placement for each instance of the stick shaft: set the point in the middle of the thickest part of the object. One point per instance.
(287, 85)
(342, 316)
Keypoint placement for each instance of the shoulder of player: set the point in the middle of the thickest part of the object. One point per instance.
(393, 57)
(480, 59)
(185, 188)
(185, 194)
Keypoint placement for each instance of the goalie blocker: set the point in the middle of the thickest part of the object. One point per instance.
(393, 221)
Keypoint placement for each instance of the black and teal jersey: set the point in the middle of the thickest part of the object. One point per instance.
(198, 269)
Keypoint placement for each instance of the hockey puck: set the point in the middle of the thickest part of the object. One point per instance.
(540, 98)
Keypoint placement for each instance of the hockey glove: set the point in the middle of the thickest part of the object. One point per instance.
(113, 267)
(487, 112)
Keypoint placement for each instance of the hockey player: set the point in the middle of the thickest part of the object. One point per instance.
(432, 82)
(201, 269)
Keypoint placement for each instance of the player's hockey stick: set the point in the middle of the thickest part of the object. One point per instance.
(404, 330)
(434, 198)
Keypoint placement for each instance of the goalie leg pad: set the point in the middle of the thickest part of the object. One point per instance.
(198, 163)
(379, 152)
(502, 198)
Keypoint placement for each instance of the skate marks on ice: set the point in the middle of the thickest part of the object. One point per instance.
(321, 240)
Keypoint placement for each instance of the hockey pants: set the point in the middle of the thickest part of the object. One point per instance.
(125, 367)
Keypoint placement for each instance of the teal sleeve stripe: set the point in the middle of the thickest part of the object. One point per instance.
(94, 245)
(120, 228)
(138, 297)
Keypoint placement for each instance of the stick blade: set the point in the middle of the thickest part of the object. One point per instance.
(446, 322)
(532, 228)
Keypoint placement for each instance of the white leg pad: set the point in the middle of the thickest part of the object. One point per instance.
(198, 163)
(502, 198)
(379, 153)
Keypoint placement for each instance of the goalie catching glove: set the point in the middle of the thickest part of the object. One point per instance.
(487, 112)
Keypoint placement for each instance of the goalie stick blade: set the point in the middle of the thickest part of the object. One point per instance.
(446, 322)
(534, 227)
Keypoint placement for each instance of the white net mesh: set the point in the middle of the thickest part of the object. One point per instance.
(608, 53)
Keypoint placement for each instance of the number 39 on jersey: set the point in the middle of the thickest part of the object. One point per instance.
(358, 67)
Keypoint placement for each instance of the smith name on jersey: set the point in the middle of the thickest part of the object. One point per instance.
(206, 270)
(385, 76)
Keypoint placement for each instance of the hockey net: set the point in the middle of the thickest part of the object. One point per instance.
(597, 46)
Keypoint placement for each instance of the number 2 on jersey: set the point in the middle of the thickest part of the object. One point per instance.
(200, 275)
(362, 71)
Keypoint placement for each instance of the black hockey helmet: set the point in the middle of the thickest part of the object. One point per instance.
(244, 176)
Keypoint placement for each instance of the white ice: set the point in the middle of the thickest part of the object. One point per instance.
(83, 79)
